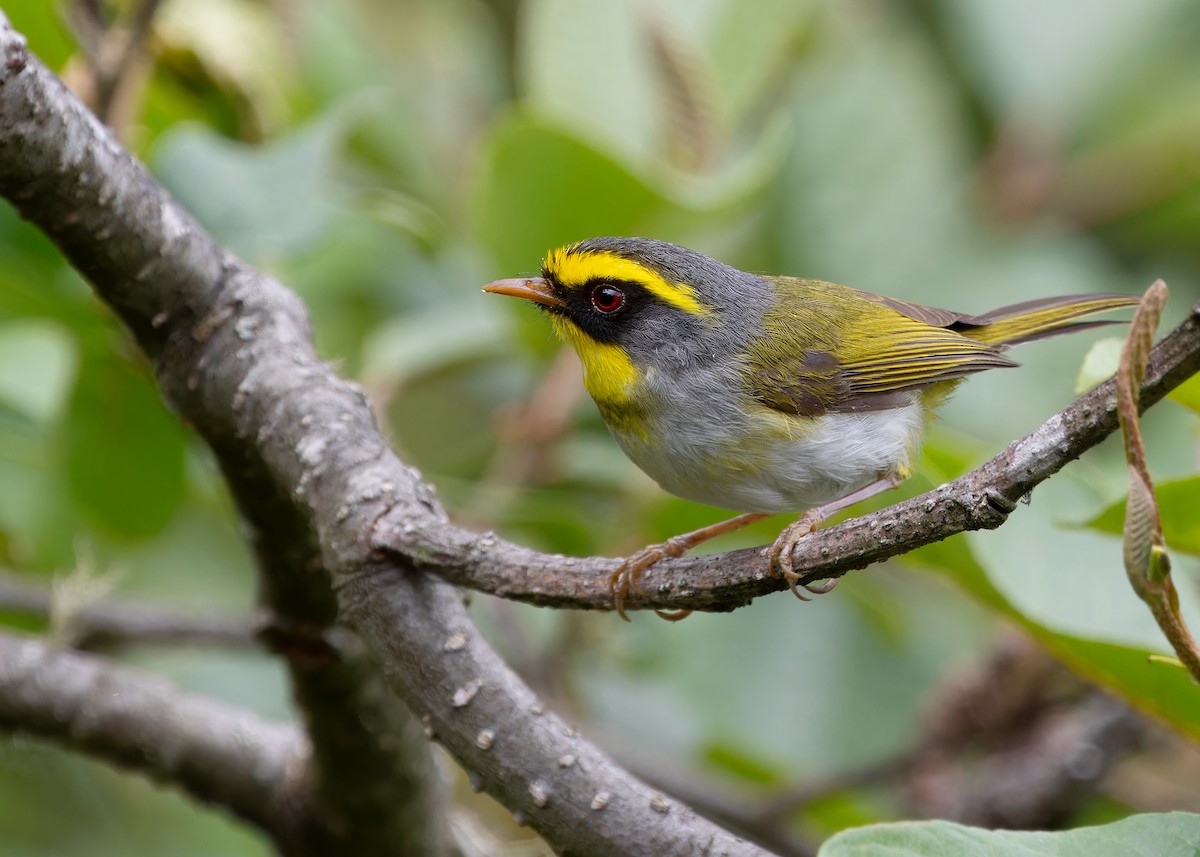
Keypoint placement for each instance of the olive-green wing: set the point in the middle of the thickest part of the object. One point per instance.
(834, 351)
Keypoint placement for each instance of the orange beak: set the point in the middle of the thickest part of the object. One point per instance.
(534, 289)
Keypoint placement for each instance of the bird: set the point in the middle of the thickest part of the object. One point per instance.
(765, 394)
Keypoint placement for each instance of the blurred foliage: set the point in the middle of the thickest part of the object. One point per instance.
(386, 158)
(1165, 835)
(1176, 502)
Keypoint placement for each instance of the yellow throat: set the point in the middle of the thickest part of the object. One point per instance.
(608, 373)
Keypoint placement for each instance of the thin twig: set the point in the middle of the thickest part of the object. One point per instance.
(120, 52)
(112, 624)
(87, 23)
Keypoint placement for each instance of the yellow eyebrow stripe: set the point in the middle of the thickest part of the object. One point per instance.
(574, 269)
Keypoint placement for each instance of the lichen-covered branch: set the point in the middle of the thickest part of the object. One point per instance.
(312, 477)
(180, 294)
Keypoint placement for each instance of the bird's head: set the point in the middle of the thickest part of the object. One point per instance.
(629, 305)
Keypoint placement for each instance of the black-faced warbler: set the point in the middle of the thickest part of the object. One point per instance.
(760, 393)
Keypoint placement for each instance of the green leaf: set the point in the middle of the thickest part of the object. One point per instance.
(1099, 364)
(1178, 500)
(1159, 690)
(42, 25)
(415, 344)
(125, 451)
(844, 191)
(238, 47)
(264, 202)
(1174, 834)
(37, 363)
(540, 188)
(683, 94)
(588, 66)
(1188, 394)
(751, 42)
(36, 281)
(740, 764)
(1057, 63)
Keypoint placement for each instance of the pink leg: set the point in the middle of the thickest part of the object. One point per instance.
(780, 564)
(629, 572)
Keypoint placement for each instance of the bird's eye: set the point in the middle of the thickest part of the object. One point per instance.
(607, 299)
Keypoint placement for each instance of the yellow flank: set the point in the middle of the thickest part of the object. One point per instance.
(608, 373)
(574, 269)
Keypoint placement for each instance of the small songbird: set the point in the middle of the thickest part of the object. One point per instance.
(760, 393)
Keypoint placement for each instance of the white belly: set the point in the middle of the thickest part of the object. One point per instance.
(780, 463)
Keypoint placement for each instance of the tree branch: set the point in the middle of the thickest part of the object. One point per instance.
(312, 476)
(180, 293)
(114, 49)
(1015, 741)
(257, 770)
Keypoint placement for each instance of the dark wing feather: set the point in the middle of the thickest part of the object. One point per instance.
(932, 316)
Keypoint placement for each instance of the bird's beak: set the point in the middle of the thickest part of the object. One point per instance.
(534, 289)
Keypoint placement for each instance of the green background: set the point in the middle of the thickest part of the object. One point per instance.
(385, 159)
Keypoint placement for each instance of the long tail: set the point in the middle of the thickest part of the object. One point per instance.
(1038, 319)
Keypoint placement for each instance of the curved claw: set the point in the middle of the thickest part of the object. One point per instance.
(815, 588)
(625, 579)
(780, 564)
(821, 587)
(793, 580)
(619, 586)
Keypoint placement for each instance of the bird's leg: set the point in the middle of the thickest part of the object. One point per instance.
(780, 563)
(629, 572)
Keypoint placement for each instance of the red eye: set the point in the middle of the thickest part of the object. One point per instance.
(607, 299)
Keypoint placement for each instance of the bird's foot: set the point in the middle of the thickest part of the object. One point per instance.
(780, 563)
(629, 573)
(625, 579)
